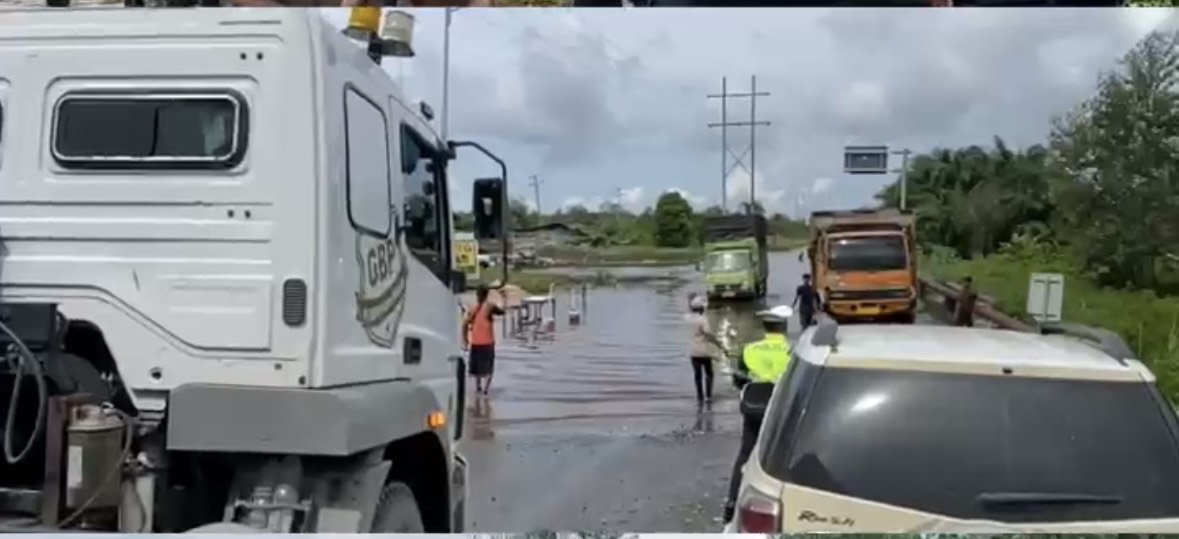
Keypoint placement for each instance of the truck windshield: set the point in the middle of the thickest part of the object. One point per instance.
(1005, 448)
(727, 261)
(872, 253)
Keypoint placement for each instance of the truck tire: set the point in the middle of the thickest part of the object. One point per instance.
(397, 511)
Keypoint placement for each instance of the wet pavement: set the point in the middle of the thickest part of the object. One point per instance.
(597, 428)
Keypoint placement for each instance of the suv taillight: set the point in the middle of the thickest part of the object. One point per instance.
(758, 513)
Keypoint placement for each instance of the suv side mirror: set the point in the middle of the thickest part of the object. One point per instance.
(755, 396)
(487, 207)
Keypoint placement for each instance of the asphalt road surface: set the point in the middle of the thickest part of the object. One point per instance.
(598, 428)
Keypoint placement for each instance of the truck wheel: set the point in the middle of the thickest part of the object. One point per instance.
(397, 511)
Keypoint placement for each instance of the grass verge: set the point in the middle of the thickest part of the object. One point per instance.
(1149, 323)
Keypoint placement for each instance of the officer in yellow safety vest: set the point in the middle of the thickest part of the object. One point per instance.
(761, 361)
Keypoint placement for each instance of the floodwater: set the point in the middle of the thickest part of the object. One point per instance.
(626, 359)
(597, 427)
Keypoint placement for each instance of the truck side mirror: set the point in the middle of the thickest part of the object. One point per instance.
(487, 206)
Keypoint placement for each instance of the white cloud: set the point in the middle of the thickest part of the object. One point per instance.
(862, 103)
(698, 202)
(553, 89)
(572, 201)
(821, 185)
(1143, 20)
(632, 198)
(738, 187)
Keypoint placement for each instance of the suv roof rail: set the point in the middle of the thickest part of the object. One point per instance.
(825, 335)
(1107, 341)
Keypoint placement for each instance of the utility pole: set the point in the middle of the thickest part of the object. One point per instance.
(724, 124)
(535, 183)
(445, 120)
(903, 178)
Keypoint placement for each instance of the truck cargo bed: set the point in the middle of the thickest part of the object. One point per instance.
(720, 228)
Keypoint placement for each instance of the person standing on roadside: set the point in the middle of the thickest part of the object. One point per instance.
(479, 334)
(703, 348)
(965, 304)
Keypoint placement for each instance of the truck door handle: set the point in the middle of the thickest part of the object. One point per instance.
(411, 353)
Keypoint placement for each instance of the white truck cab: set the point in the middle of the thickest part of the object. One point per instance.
(226, 232)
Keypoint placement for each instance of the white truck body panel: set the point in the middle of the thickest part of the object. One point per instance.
(183, 270)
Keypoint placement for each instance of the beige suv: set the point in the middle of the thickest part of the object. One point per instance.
(903, 429)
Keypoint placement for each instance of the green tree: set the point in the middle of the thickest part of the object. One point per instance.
(1118, 154)
(464, 221)
(521, 214)
(576, 210)
(673, 221)
(973, 199)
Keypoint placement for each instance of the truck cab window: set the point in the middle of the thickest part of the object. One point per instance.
(870, 253)
(425, 196)
(366, 137)
(159, 131)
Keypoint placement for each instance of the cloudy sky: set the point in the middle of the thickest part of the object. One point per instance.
(605, 104)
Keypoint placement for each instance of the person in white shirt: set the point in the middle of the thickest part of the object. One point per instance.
(703, 347)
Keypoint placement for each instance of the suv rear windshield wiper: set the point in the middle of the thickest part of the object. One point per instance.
(1044, 498)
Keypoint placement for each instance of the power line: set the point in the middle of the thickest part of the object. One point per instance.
(725, 124)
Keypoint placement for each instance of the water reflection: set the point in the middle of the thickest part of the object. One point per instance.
(736, 325)
(704, 420)
(482, 418)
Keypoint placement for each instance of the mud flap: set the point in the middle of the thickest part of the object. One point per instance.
(349, 507)
(458, 495)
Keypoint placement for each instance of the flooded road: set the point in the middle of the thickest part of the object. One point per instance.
(598, 427)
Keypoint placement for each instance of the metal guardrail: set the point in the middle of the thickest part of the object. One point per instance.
(1108, 341)
(946, 293)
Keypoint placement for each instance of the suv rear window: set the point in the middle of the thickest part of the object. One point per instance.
(936, 442)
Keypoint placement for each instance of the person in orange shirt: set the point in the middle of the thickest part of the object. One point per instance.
(479, 332)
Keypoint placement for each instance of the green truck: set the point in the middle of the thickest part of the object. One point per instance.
(735, 264)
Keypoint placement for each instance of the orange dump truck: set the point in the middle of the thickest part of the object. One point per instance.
(864, 264)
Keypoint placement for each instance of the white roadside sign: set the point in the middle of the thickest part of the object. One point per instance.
(1046, 297)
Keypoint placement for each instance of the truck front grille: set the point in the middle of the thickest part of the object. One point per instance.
(869, 295)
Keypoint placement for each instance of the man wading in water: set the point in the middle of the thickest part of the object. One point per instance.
(479, 334)
(806, 300)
